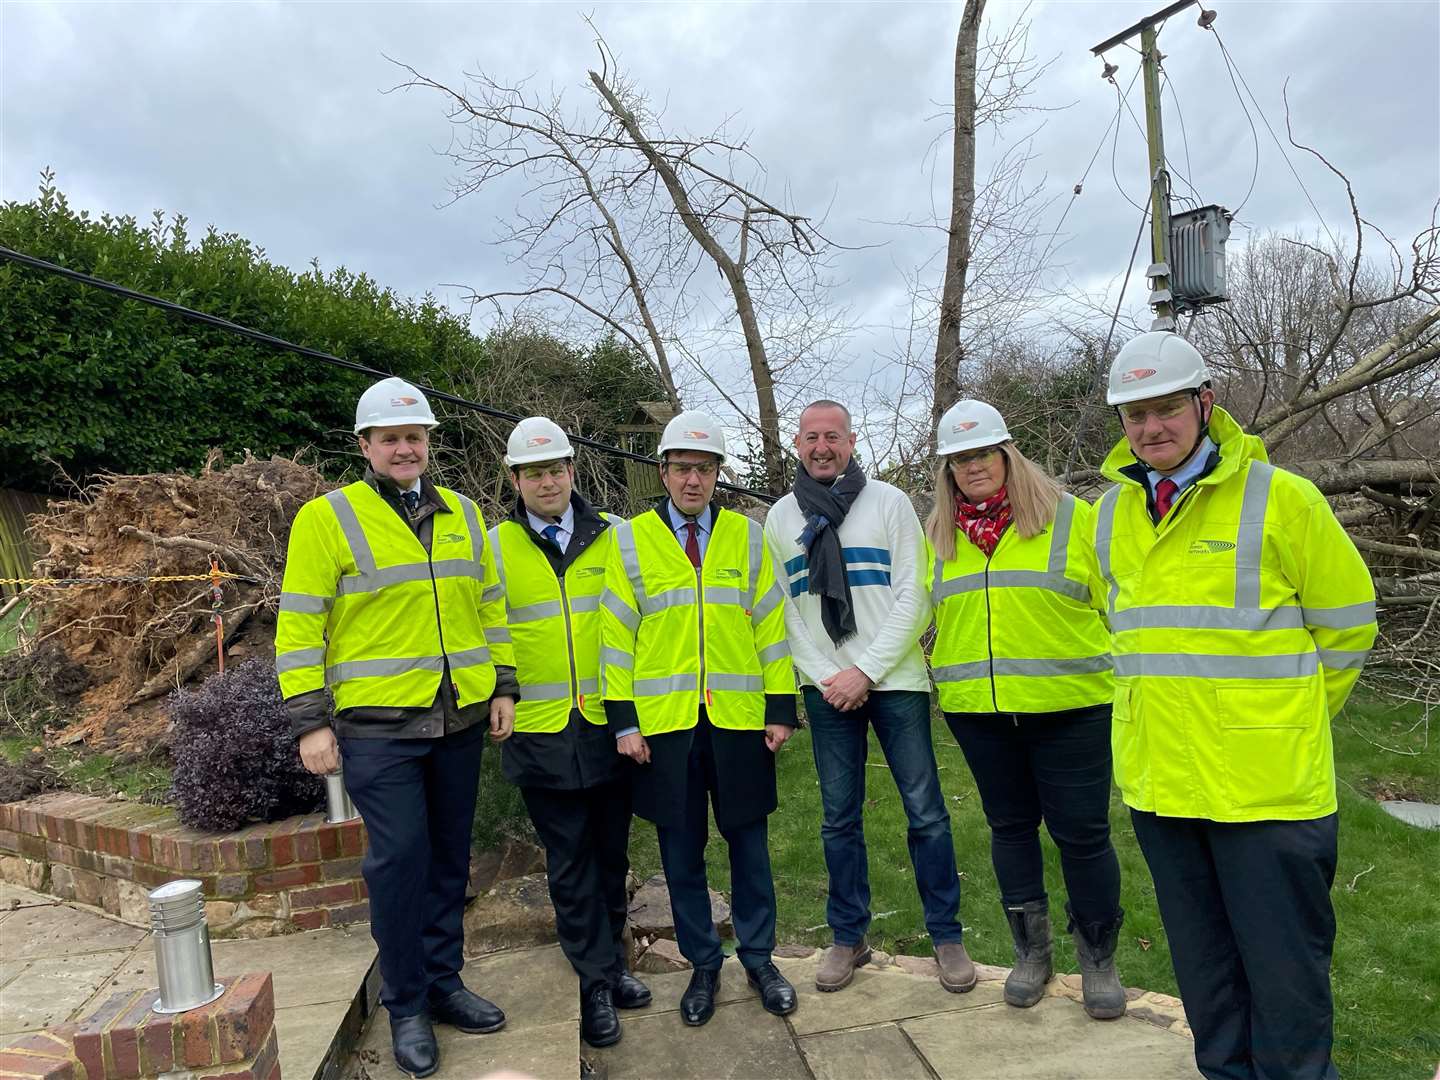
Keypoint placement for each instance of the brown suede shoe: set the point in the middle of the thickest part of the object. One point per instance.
(957, 973)
(838, 967)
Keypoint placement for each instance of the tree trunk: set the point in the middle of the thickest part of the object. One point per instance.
(734, 276)
(948, 349)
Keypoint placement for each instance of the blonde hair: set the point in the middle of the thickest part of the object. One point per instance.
(1033, 494)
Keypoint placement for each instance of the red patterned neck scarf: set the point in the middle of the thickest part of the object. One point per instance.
(985, 521)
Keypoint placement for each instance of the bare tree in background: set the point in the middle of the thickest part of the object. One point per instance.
(621, 215)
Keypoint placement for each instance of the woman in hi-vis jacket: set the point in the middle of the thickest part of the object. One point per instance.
(1022, 665)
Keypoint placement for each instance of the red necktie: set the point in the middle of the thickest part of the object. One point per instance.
(692, 543)
(1164, 495)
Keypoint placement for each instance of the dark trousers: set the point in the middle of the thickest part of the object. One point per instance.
(1246, 908)
(682, 854)
(586, 834)
(1055, 768)
(417, 797)
(840, 742)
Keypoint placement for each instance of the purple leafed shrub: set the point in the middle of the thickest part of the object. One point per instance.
(235, 759)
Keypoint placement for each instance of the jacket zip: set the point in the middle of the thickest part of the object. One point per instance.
(570, 644)
(989, 633)
(440, 629)
(700, 610)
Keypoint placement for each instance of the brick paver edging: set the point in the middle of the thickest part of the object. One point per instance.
(124, 1039)
(283, 876)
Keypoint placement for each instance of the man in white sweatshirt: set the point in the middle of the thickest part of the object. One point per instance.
(850, 554)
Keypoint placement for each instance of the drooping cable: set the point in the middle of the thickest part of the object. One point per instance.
(191, 315)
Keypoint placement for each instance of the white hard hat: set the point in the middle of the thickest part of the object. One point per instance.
(970, 425)
(1153, 365)
(392, 402)
(694, 430)
(536, 438)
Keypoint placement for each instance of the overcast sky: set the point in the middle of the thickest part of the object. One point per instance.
(268, 119)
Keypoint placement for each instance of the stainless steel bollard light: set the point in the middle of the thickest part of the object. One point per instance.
(182, 947)
(338, 806)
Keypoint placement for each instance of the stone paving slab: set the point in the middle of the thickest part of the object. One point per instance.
(61, 930)
(879, 995)
(535, 987)
(305, 1033)
(1054, 1040)
(881, 1051)
(17, 896)
(741, 1042)
(46, 991)
(548, 1052)
(1420, 814)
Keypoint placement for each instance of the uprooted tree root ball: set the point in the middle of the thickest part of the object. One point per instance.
(137, 640)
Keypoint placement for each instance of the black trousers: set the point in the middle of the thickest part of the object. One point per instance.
(1051, 767)
(1246, 907)
(417, 797)
(682, 854)
(586, 834)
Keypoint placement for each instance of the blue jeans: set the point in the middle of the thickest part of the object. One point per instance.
(840, 741)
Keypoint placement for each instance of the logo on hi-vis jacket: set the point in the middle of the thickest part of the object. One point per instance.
(1211, 547)
(727, 572)
(453, 538)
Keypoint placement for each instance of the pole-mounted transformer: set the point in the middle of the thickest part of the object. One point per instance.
(1196, 271)
(1187, 250)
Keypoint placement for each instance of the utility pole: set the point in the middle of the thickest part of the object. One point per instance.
(1159, 271)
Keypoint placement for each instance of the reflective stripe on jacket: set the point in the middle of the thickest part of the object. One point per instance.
(669, 629)
(366, 611)
(1240, 624)
(1017, 632)
(554, 626)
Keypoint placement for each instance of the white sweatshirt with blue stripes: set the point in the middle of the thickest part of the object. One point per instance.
(884, 562)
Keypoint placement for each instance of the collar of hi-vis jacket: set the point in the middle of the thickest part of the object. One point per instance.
(1236, 448)
(588, 525)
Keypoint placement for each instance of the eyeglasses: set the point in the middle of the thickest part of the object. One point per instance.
(1164, 409)
(970, 457)
(536, 473)
(702, 469)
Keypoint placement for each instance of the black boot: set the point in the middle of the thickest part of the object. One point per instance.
(628, 992)
(467, 1011)
(412, 1040)
(599, 1023)
(776, 993)
(1030, 927)
(697, 1004)
(1099, 982)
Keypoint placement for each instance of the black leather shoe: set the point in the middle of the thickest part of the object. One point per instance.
(628, 992)
(698, 1003)
(776, 993)
(413, 1041)
(599, 1024)
(467, 1011)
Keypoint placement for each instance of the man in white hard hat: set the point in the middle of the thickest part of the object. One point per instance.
(1241, 616)
(392, 604)
(853, 557)
(551, 553)
(700, 693)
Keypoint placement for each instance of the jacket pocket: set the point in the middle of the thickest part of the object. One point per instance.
(1271, 746)
(1127, 746)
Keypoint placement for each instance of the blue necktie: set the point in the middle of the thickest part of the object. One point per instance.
(412, 501)
(551, 533)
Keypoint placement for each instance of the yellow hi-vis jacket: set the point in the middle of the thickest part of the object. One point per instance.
(554, 626)
(1018, 632)
(366, 611)
(1240, 624)
(669, 631)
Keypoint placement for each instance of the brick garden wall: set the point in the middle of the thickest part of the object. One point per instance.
(232, 1038)
(296, 874)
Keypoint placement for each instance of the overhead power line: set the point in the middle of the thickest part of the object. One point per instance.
(1235, 69)
(280, 344)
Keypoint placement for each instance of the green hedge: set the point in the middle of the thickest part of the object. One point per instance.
(90, 382)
